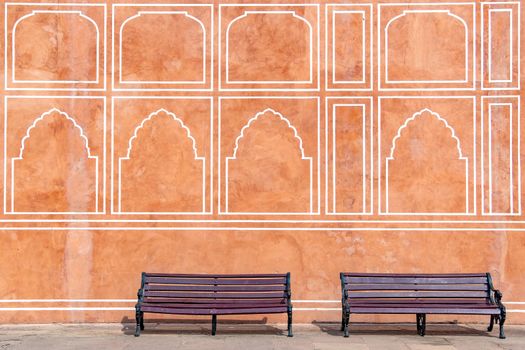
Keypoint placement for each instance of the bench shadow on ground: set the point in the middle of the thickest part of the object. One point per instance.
(433, 329)
(202, 326)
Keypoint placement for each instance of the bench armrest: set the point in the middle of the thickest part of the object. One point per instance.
(344, 294)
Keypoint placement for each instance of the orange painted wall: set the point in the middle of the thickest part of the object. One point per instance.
(224, 138)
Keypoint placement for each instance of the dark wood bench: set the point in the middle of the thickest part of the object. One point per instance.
(197, 294)
(421, 294)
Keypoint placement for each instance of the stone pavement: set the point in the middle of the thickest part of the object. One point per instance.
(321, 336)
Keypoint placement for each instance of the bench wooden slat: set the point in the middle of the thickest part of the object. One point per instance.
(206, 311)
(215, 295)
(414, 275)
(212, 281)
(214, 305)
(221, 288)
(416, 294)
(427, 305)
(479, 287)
(215, 301)
(397, 310)
(416, 280)
(224, 276)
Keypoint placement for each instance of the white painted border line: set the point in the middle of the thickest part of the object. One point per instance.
(104, 80)
(247, 229)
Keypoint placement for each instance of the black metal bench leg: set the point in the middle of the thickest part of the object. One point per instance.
(423, 324)
(342, 320)
(347, 321)
(213, 324)
(491, 324)
(140, 326)
(418, 323)
(502, 318)
(290, 333)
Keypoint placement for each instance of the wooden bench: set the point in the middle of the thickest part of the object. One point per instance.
(421, 294)
(197, 294)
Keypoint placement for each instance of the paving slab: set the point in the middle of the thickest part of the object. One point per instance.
(319, 336)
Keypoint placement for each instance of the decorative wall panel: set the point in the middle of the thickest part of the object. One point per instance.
(224, 137)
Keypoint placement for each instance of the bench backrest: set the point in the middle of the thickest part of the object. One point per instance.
(200, 288)
(367, 286)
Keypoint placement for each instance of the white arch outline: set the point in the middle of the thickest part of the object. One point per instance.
(246, 14)
(185, 14)
(131, 141)
(234, 157)
(74, 12)
(52, 111)
(458, 146)
(447, 12)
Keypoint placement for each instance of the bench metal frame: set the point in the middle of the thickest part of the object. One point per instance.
(407, 290)
(200, 294)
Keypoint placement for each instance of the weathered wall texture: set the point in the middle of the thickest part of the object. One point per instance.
(224, 138)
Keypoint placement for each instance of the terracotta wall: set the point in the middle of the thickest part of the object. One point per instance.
(237, 138)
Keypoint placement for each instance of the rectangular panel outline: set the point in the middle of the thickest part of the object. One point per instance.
(219, 158)
(283, 89)
(371, 41)
(511, 58)
(517, 104)
(518, 63)
(210, 160)
(471, 209)
(104, 77)
(369, 116)
(211, 63)
(103, 162)
(473, 50)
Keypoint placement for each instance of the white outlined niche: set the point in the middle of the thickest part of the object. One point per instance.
(70, 54)
(500, 49)
(146, 54)
(426, 46)
(269, 161)
(427, 152)
(161, 161)
(54, 162)
(500, 157)
(349, 35)
(269, 47)
(349, 171)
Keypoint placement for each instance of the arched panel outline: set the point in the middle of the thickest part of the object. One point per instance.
(432, 85)
(450, 14)
(21, 156)
(13, 47)
(196, 157)
(458, 146)
(303, 157)
(184, 13)
(251, 12)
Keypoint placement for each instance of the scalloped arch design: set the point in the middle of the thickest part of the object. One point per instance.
(171, 181)
(268, 144)
(426, 171)
(55, 171)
